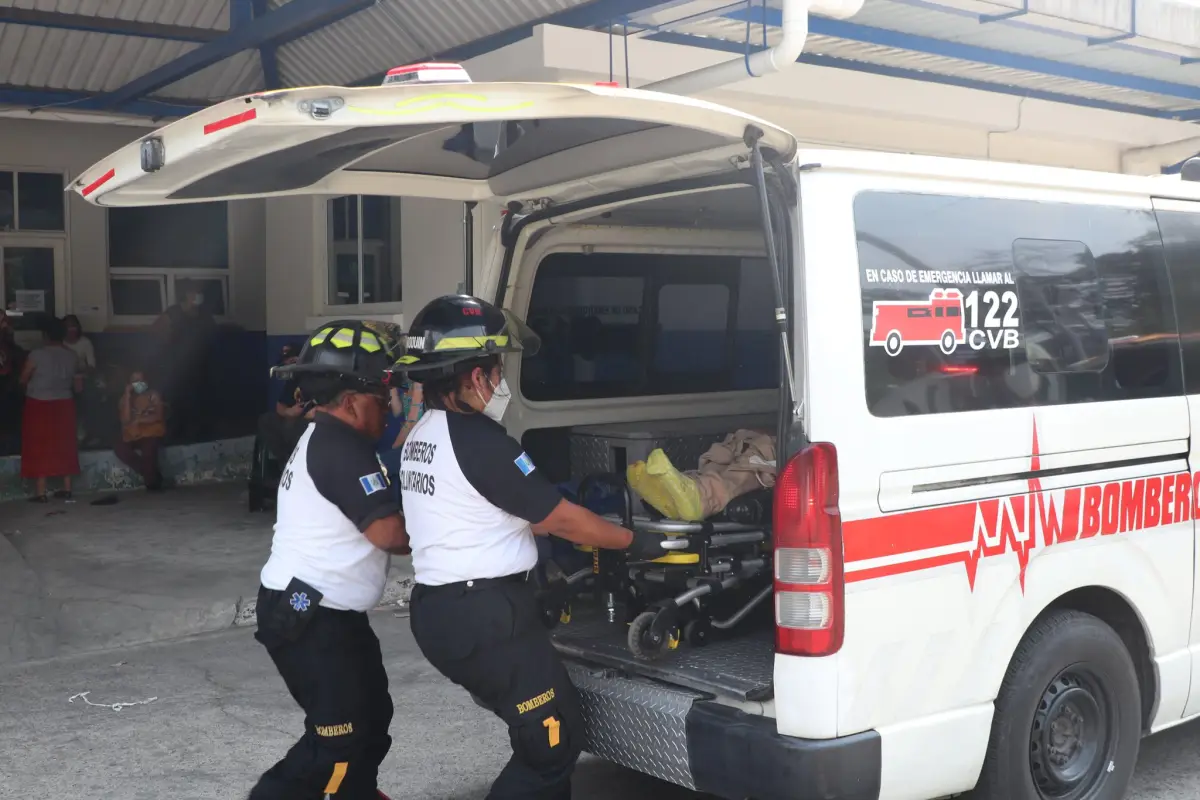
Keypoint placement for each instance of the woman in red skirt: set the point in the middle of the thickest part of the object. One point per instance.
(51, 378)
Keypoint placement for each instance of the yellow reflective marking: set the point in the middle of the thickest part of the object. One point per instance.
(407, 360)
(465, 342)
(370, 342)
(553, 724)
(343, 338)
(460, 101)
(321, 336)
(335, 780)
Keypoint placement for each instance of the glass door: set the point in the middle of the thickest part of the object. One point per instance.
(32, 283)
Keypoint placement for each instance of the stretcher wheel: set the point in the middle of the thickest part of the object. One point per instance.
(696, 632)
(642, 642)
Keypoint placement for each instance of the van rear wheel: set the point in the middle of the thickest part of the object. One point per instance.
(1067, 724)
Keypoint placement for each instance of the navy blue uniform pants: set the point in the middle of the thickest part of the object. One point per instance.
(489, 639)
(333, 667)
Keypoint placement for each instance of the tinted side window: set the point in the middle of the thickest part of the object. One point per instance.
(975, 303)
(1181, 238)
(630, 324)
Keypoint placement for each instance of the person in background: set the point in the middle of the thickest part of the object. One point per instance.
(143, 426)
(89, 400)
(79, 344)
(51, 378)
(406, 404)
(282, 428)
(12, 359)
(189, 331)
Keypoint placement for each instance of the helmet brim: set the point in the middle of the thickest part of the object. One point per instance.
(287, 371)
(516, 337)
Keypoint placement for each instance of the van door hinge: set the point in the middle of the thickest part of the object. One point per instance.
(322, 108)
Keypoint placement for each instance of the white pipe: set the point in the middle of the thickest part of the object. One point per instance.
(794, 24)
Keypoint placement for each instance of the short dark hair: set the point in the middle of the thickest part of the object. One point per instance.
(54, 329)
(324, 390)
(438, 391)
(71, 319)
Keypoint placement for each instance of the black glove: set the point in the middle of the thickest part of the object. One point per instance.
(646, 546)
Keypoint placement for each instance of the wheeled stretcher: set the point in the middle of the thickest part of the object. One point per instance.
(714, 574)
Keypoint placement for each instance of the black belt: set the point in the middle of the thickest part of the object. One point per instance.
(476, 584)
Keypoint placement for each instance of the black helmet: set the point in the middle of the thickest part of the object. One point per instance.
(457, 328)
(357, 352)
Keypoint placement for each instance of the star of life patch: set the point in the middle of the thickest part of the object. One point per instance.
(373, 483)
(524, 463)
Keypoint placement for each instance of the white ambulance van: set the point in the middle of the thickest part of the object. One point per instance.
(985, 383)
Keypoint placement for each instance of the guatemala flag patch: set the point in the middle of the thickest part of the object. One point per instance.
(373, 483)
(524, 463)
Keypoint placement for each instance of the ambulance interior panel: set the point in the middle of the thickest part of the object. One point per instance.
(664, 306)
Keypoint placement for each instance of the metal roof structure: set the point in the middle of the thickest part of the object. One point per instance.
(164, 58)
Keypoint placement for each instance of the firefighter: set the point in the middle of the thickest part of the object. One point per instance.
(473, 500)
(337, 524)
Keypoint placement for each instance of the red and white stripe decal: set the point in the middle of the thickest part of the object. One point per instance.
(419, 67)
(229, 122)
(96, 184)
(910, 541)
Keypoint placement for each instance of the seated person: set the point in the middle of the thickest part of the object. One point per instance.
(143, 426)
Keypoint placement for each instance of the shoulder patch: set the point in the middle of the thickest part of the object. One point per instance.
(524, 463)
(375, 482)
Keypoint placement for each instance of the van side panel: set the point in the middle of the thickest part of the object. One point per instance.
(953, 541)
(1179, 224)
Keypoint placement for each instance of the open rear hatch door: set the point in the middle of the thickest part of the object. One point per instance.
(480, 141)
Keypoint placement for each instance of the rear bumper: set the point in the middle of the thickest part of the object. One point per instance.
(682, 737)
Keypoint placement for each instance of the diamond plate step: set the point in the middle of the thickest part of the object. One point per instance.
(635, 723)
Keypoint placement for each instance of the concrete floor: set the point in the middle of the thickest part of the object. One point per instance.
(75, 577)
(221, 715)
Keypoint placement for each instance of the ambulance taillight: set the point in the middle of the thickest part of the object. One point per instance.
(426, 73)
(809, 568)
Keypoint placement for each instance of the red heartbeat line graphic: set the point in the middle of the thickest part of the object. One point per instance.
(1019, 524)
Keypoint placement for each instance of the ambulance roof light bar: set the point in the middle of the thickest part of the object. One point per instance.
(431, 72)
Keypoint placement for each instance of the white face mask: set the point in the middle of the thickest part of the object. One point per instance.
(495, 407)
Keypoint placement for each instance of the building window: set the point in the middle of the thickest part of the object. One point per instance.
(364, 260)
(32, 201)
(157, 254)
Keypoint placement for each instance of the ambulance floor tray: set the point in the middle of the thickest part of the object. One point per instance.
(741, 666)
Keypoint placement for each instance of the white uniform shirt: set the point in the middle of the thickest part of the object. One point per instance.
(469, 493)
(332, 489)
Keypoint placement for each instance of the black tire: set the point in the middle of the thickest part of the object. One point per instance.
(1071, 677)
(639, 637)
(696, 632)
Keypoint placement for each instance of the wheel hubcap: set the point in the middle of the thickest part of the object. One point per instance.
(1070, 738)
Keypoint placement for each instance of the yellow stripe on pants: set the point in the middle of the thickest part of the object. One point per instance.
(335, 780)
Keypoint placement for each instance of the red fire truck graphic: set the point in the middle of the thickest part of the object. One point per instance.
(936, 321)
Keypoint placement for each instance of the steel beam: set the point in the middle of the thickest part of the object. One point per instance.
(585, 16)
(286, 23)
(36, 99)
(840, 29)
(53, 20)
(926, 76)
